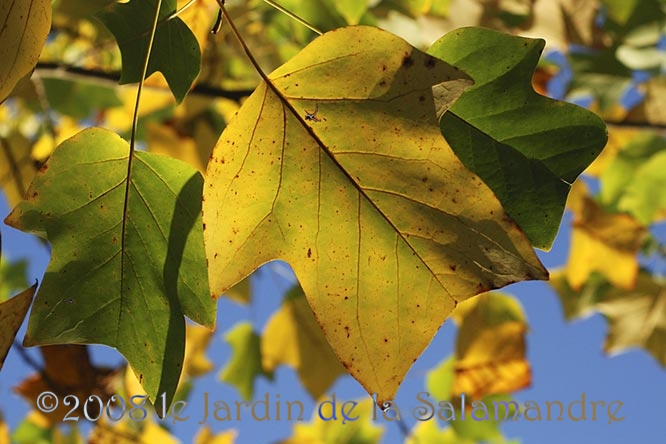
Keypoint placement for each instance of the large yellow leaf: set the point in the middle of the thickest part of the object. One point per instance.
(24, 25)
(338, 167)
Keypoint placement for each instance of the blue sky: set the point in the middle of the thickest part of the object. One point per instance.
(567, 360)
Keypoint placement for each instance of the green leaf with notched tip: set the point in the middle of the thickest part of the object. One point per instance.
(526, 147)
(127, 259)
(175, 52)
(339, 168)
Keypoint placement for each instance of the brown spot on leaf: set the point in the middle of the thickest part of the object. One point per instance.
(407, 61)
(453, 267)
(430, 62)
(309, 252)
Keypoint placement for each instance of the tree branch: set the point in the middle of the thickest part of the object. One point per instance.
(110, 79)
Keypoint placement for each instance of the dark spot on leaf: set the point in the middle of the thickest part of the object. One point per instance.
(309, 252)
(141, 378)
(382, 83)
(421, 98)
(407, 61)
(430, 62)
(385, 339)
(347, 330)
(453, 267)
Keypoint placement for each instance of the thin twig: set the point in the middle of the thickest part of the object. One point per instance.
(293, 16)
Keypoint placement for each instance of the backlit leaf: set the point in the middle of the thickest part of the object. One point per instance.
(12, 314)
(526, 147)
(23, 30)
(245, 364)
(127, 259)
(293, 337)
(175, 51)
(340, 169)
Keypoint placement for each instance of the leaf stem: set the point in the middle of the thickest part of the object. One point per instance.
(246, 50)
(135, 117)
(181, 10)
(293, 16)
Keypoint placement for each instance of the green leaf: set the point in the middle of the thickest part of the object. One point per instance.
(25, 26)
(634, 182)
(245, 364)
(340, 169)
(127, 259)
(175, 51)
(526, 147)
(12, 277)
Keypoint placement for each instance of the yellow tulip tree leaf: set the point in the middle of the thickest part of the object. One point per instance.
(337, 166)
(603, 242)
(490, 348)
(12, 314)
(23, 30)
(337, 430)
(245, 364)
(293, 337)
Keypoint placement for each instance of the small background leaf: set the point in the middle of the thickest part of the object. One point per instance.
(293, 337)
(245, 364)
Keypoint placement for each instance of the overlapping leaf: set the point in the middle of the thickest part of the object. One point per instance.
(526, 147)
(127, 260)
(24, 25)
(339, 168)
